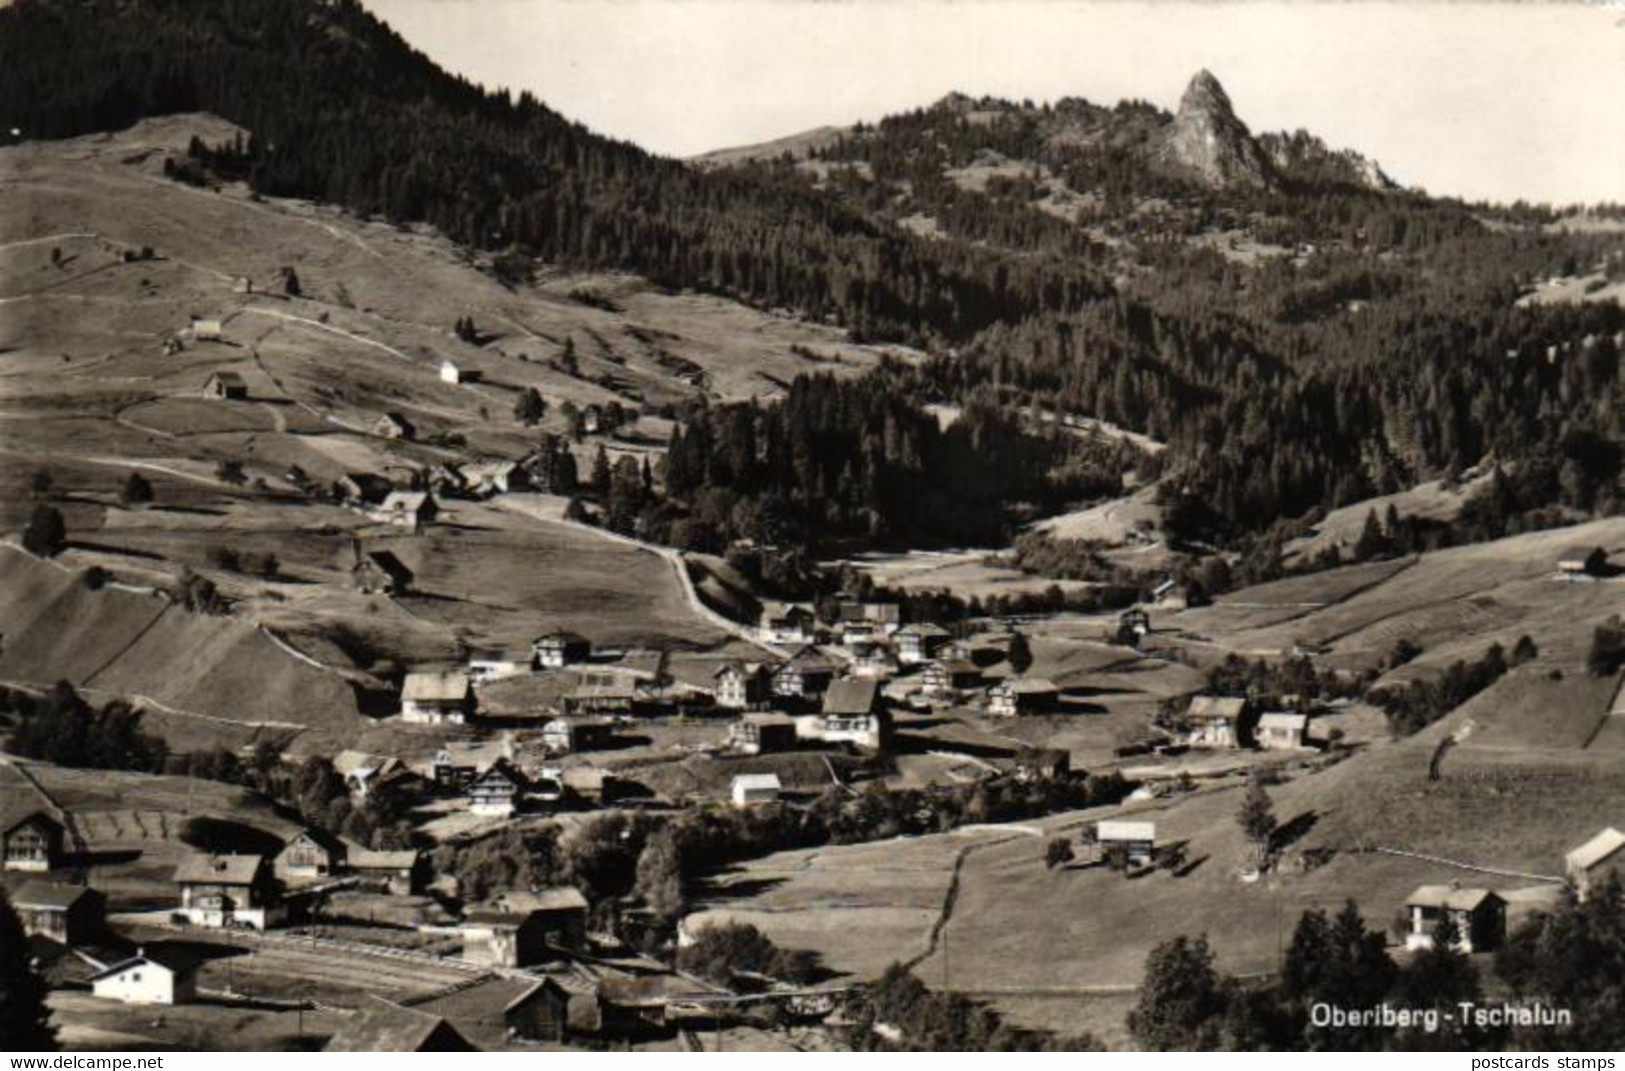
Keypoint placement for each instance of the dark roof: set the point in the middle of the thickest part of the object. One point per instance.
(487, 998)
(50, 894)
(229, 379)
(382, 1026)
(21, 799)
(851, 696)
(169, 958)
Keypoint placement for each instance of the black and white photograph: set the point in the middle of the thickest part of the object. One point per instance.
(811, 526)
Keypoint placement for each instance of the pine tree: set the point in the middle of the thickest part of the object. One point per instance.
(24, 1018)
(530, 408)
(600, 472)
(1257, 817)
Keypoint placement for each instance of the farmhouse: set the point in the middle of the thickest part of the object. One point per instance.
(383, 1026)
(523, 928)
(398, 872)
(379, 572)
(309, 856)
(559, 649)
(1583, 561)
(1022, 695)
(1590, 863)
(743, 686)
(602, 693)
(68, 914)
(1126, 843)
(1215, 721)
(917, 644)
(806, 673)
(394, 426)
(948, 675)
(1281, 731)
(161, 976)
(749, 789)
(407, 509)
(565, 736)
(852, 713)
(458, 762)
(437, 698)
(873, 660)
(787, 623)
(452, 372)
(496, 1009)
(1479, 916)
(228, 890)
(494, 663)
(32, 839)
(760, 733)
(497, 791)
(225, 386)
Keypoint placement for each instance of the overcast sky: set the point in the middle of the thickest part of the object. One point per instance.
(1494, 101)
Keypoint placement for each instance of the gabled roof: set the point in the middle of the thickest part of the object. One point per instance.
(560, 638)
(489, 997)
(407, 501)
(1598, 849)
(203, 869)
(436, 686)
(1118, 829)
(50, 895)
(500, 769)
(1283, 720)
(382, 1026)
(228, 379)
(554, 898)
(851, 696)
(21, 799)
(169, 959)
(808, 659)
(746, 669)
(757, 782)
(1449, 896)
(1217, 706)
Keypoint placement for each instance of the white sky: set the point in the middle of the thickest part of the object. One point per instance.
(1493, 101)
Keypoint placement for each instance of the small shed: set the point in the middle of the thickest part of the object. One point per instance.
(753, 788)
(69, 914)
(762, 732)
(158, 976)
(1590, 863)
(225, 386)
(1126, 843)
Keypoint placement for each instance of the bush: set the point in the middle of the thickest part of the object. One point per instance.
(46, 533)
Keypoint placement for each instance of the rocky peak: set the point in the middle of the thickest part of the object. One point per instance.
(1207, 138)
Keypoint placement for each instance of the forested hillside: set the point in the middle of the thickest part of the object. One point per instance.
(1301, 333)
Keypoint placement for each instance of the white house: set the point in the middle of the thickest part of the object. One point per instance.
(1479, 916)
(451, 372)
(436, 698)
(1281, 731)
(755, 788)
(1135, 841)
(157, 977)
(208, 330)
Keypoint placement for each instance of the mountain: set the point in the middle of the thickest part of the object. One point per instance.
(1207, 138)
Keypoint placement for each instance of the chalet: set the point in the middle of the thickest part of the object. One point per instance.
(806, 673)
(1583, 561)
(437, 698)
(398, 872)
(787, 623)
(566, 736)
(211, 330)
(67, 914)
(498, 791)
(495, 1010)
(1043, 764)
(225, 386)
(31, 839)
(886, 616)
(1589, 864)
(1215, 721)
(750, 789)
(458, 762)
(496, 477)
(523, 929)
(917, 644)
(852, 713)
(602, 693)
(362, 488)
(1479, 916)
(1281, 731)
(1126, 843)
(761, 733)
(394, 426)
(1134, 621)
(743, 686)
(1022, 695)
(379, 1025)
(223, 891)
(452, 372)
(309, 856)
(559, 649)
(159, 976)
(407, 509)
(379, 572)
(948, 675)
(362, 771)
(873, 660)
(495, 663)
